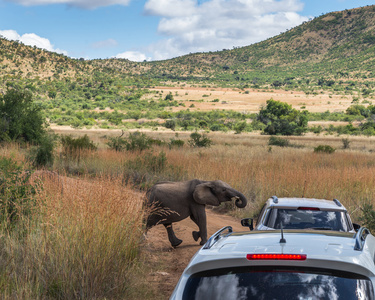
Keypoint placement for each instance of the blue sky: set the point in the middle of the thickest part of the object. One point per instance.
(154, 29)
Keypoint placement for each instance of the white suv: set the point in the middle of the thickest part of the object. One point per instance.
(303, 213)
(281, 264)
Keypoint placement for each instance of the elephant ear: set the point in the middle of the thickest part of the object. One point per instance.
(203, 194)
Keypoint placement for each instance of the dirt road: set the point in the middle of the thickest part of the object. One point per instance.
(166, 263)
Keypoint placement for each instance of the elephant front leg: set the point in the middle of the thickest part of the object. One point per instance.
(199, 218)
(171, 236)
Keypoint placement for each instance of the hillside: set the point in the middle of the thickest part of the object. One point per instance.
(331, 55)
(335, 45)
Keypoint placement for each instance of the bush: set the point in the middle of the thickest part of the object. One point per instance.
(20, 118)
(73, 147)
(368, 216)
(141, 170)
(171, 124)
(15, 192)
(199, 140)
(117, 143)
(345, 143)
(281, 118)
(239, 127)
(277, 141)
(324, 149)
(176, 143)
(44, 155)
(137, 141)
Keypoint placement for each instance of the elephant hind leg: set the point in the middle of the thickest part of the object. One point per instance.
(171, 236)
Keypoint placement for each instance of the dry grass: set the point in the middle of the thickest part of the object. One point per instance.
(250, 100)
(247, 163)
(83, 238)
(80, 243)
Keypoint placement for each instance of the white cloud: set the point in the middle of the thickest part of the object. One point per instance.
(105, 44)
(219, 24)
(86, 4)
(170, 8)
(133, 56)
(31, 39)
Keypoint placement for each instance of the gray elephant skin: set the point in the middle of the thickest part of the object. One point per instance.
(174, 201)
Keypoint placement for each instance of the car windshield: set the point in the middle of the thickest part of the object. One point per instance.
(307, 218)
(277, 283)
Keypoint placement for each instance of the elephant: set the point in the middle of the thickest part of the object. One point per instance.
(174, 201)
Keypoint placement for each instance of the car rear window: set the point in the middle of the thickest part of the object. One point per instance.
(304, 218)
(277, 283)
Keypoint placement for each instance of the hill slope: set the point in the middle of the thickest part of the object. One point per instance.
(332, 52)
(338, 44)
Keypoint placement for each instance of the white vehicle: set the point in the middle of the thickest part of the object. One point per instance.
(303, 213)
(281, 264)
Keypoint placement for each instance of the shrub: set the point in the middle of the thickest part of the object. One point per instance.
(117, 143)
(324, 149)
(73, 147)
(176, 143)
(277, 141)
(169, 97)
(345, 143)
(20, 118)
(44, 155)
(171, 124)
(239, 127)
(368, 216)
(138, 141)
(141, 170)
(199, 140)
(281, 118)
(15, 192)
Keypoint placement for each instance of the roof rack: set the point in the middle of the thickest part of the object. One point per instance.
(337, 202)
(275, 199)
(216, 236)
(360, 238)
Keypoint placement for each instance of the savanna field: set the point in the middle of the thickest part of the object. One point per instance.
(76, 230)
(81, 141)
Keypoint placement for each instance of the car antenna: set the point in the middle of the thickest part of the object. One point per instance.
(282, 240)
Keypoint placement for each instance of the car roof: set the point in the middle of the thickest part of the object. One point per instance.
(323, 249)
(305, 202)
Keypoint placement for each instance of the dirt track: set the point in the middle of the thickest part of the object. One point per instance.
(166, 263)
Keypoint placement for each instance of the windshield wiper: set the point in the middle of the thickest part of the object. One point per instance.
(321, 228)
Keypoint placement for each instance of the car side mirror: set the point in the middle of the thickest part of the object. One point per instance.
(248, 222)
(356, 227)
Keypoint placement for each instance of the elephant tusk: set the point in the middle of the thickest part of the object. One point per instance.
(235, 198)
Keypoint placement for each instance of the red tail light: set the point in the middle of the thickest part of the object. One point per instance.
(276, 256)
(308, 208)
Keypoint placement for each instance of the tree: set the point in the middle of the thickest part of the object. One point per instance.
(20, 118)
(281, 119)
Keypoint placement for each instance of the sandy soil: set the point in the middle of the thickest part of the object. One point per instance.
(166, 263)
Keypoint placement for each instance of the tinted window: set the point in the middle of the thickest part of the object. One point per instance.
(303, 219)
(270, 283)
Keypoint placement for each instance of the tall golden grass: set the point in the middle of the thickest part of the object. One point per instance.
(289, 172)
(81, 242)
(82, 239)
(260, 171)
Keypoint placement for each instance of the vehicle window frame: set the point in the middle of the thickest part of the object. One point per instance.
(349, 221)
(261, 215)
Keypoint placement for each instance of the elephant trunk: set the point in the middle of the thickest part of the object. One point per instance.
(241, 200)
